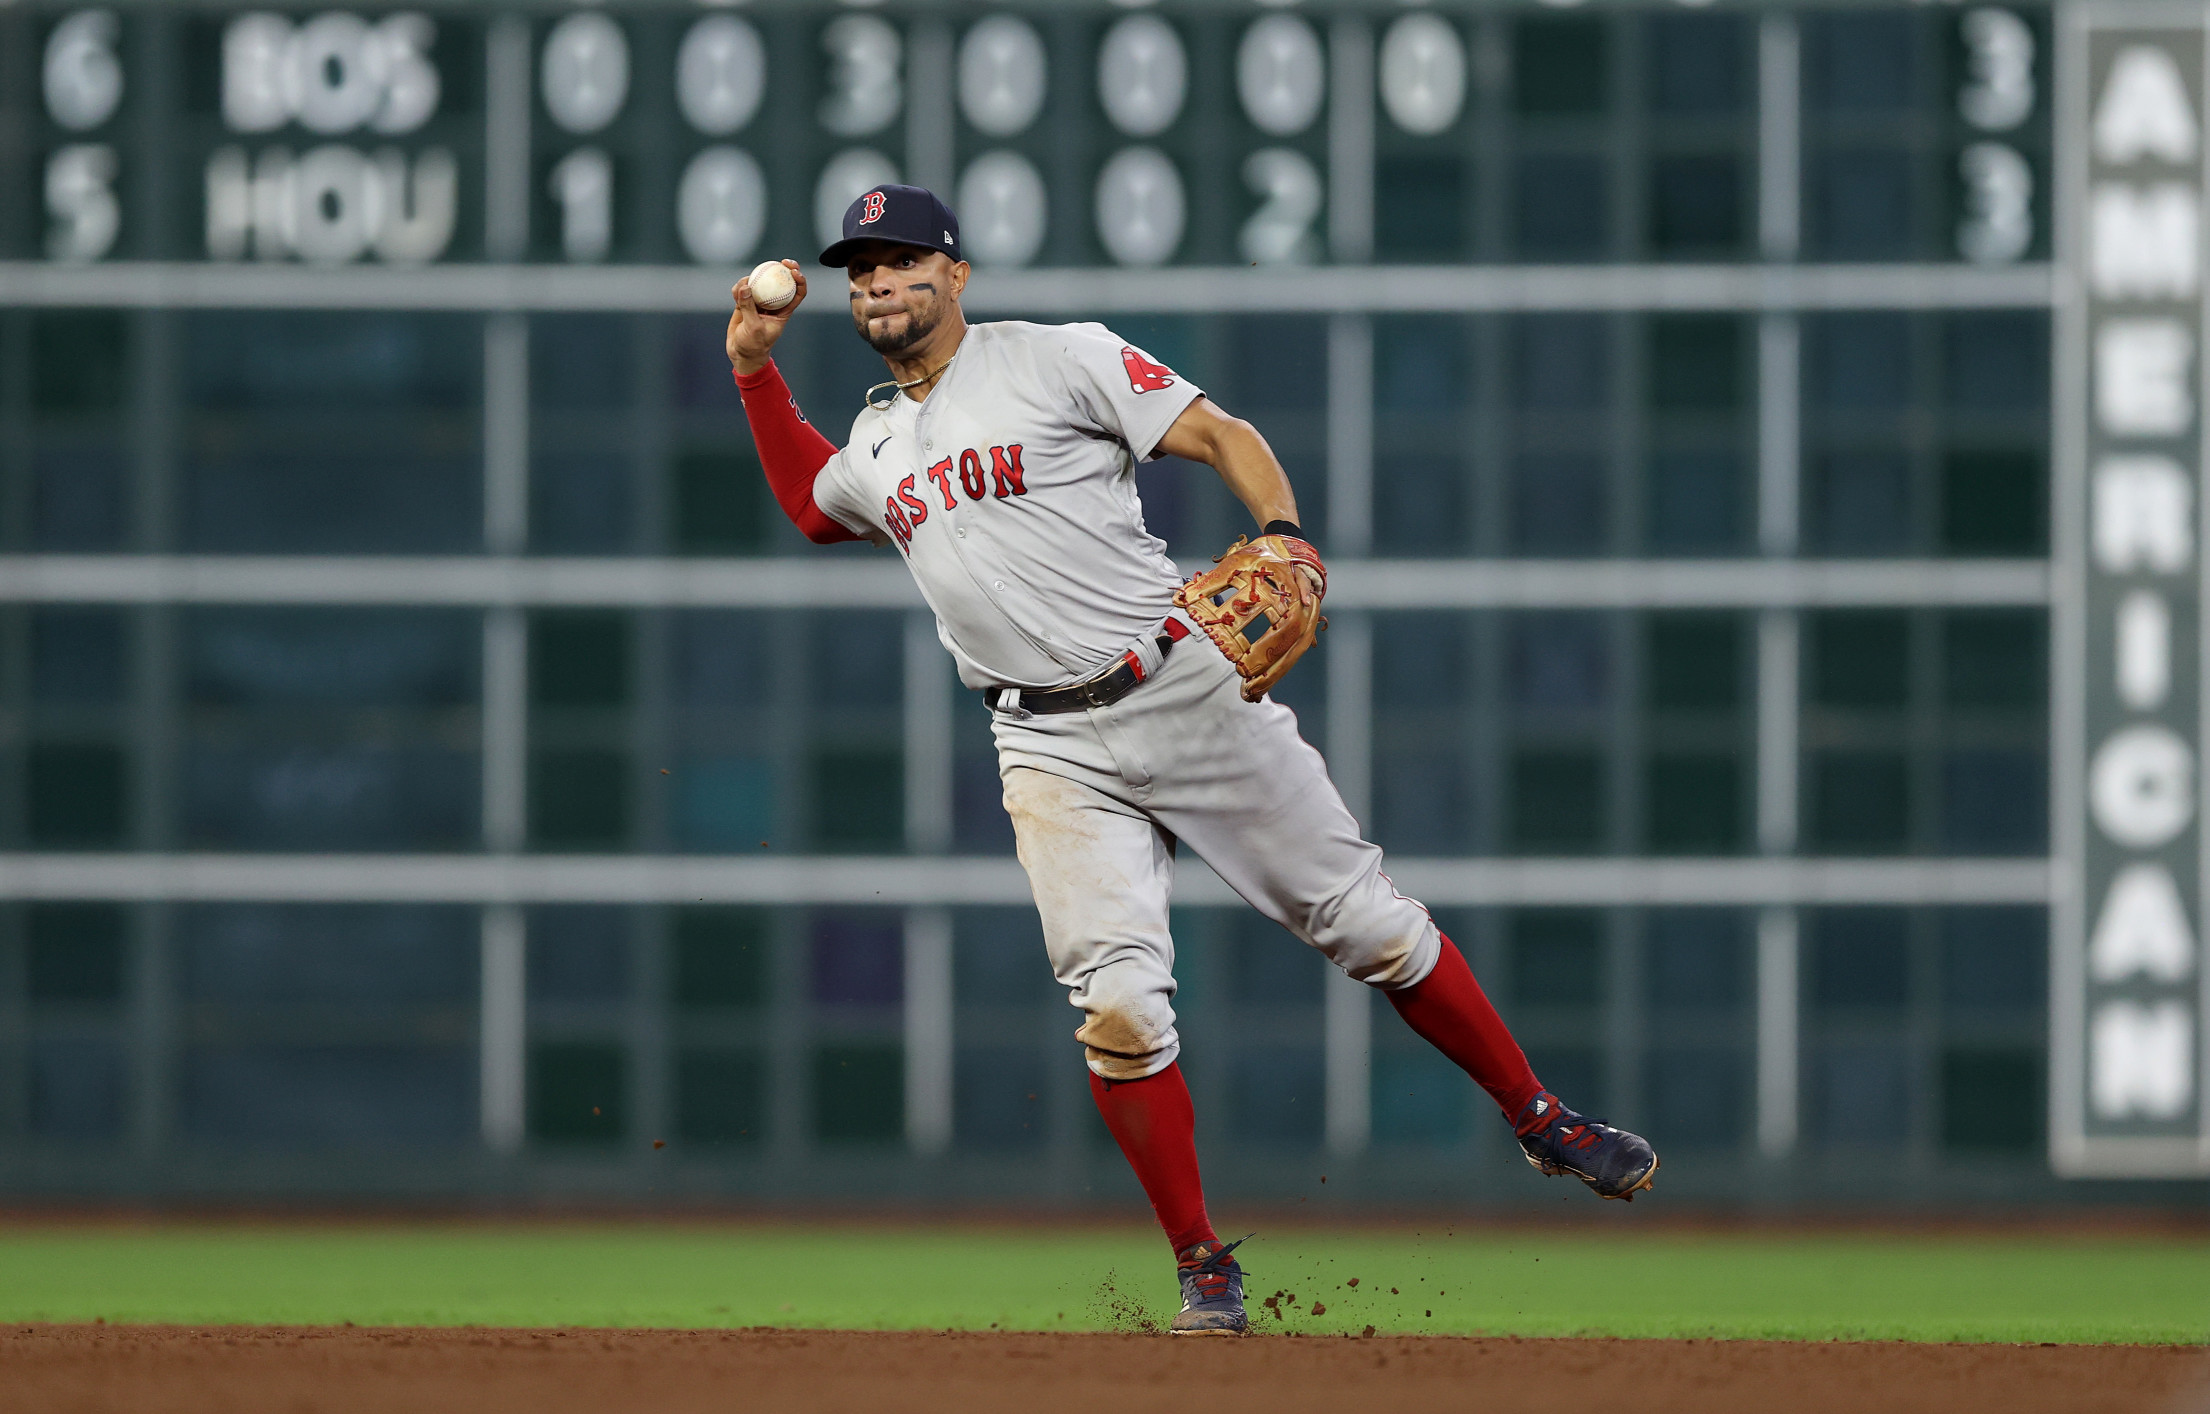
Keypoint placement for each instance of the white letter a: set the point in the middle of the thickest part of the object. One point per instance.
(2143, 928)
(2144, 112)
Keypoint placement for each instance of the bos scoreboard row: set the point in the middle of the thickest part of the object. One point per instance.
(1063, 135)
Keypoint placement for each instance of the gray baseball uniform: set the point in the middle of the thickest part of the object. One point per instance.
(1011, 491)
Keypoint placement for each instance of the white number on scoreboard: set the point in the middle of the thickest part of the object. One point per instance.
(82, 78)
(1998, 95)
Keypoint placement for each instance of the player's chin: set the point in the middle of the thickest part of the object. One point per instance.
(891, 333)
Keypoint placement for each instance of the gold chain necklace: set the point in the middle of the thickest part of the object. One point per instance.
(896, 387)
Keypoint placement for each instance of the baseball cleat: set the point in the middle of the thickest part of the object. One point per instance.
(1613, 1162)
(1212, 1291)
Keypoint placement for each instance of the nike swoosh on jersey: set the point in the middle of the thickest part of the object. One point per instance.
(880, 445)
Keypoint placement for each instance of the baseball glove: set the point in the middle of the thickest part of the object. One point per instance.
(1275, 577)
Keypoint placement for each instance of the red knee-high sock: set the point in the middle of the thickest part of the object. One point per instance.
(1156, 1127)
(1449, 1009)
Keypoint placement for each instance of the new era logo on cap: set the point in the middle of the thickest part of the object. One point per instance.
(901, 215)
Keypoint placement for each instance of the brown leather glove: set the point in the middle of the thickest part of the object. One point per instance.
(1277, 577)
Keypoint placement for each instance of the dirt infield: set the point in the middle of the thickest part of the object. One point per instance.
(247, 1370)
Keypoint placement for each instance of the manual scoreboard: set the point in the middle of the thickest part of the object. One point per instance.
(705, 136)
(1762, 169)
(1108, 136)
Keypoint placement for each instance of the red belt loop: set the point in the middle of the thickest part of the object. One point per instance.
(1176, 629)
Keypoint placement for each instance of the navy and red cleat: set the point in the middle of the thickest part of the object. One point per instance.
(1613, 1162)
(1212, 1291)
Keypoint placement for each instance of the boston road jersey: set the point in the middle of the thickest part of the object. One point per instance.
(1011, 492)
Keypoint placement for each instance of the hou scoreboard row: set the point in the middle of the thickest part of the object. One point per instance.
(719, 136)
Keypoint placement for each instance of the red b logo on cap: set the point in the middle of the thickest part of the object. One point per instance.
(870, 208)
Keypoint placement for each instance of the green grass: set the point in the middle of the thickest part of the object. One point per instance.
(1521, 1281)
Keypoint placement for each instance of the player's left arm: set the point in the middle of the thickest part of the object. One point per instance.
(1277, 577)
(1234, 448)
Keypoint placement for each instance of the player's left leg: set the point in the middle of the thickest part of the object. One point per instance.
(1451, 1012)
(1238, 783)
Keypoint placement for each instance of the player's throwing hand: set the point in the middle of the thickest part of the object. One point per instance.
(752, 330)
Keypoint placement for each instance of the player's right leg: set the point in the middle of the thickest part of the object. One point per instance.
(1101, 872)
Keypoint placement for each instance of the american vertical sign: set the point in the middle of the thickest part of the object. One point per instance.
(2128, 1093)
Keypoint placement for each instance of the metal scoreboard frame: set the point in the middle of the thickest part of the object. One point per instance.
(2130, 1077)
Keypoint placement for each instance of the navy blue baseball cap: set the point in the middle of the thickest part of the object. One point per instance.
(904, 215)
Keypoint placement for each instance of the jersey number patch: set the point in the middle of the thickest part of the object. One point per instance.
(1144, 376)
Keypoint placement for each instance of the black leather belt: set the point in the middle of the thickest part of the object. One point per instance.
(1103, 690)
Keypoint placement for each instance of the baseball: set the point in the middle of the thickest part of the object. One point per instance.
(773, 286)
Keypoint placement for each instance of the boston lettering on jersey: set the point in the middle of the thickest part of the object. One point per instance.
(909, 507)
(1055, 574)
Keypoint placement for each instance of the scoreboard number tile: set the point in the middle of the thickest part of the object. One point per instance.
(1002, 72)
(720, 75)
(1423, 74)
(586, 72)
(866, 82)
(82, 76)
(721, 206)
(1142, 75)
(1003, 208)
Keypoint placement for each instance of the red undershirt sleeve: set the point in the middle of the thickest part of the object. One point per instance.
(792, 453)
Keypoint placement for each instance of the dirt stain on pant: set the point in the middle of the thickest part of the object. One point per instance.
(1099, 880)
(1056, 846)
(1117, 1045)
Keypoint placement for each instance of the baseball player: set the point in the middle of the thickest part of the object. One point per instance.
(1128, 707)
